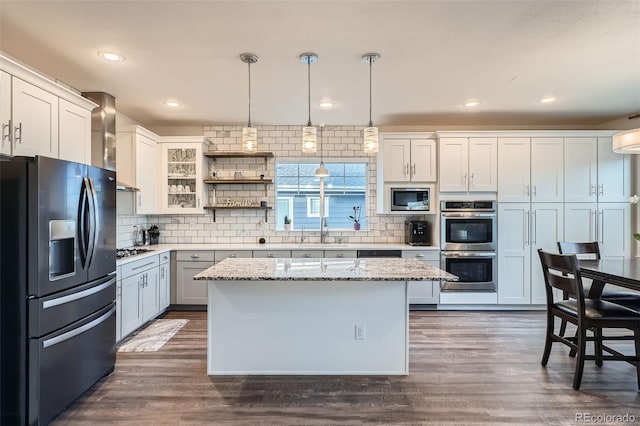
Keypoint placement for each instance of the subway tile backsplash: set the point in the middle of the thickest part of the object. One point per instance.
(248, 226)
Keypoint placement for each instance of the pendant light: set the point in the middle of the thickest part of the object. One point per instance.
(321, 171)
(249, 133)
(370, 133)
(309, 132)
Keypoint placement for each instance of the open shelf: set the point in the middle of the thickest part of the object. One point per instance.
(214, 208)
(237, 154)
(237, 181)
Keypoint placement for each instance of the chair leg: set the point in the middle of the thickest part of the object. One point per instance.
(549, 338)
(572, 352)
(598, 346)
(581, 343)
(563, 327)
(636, 336)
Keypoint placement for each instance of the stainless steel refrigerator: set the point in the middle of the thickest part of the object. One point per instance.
(57, 284)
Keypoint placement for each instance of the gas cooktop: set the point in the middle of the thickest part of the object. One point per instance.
(126, 252)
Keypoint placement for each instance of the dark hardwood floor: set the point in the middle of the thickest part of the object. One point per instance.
(466, 368)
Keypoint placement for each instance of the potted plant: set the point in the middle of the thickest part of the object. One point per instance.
(287, 223)
(355, 217)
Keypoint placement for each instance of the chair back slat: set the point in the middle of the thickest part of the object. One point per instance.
(588, 250)
(562, 271)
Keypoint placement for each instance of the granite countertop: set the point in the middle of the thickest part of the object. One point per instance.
(161, 248)
(370, 269)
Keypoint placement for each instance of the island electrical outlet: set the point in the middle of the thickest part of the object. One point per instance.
(360, 330)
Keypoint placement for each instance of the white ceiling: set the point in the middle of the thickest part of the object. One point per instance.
(435, 56)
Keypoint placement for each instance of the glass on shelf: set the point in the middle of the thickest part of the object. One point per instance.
(182, 155)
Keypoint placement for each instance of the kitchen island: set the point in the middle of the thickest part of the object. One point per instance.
(311, 316)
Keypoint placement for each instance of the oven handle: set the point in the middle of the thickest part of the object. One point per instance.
(467, 215)
(477, 254)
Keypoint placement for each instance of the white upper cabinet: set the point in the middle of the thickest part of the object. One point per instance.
(547, 179)
(182, 171)
(594, 173)
(409, 160)
(34, 120)
(468, 164)
(5, 113)
(75, 132)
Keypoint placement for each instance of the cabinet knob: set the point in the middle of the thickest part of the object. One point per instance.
(195, 256)
(340, 255)
(232, 256)
(270, 255)
(306, 255)
(419, 255)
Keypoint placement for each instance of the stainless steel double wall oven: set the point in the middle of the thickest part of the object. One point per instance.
(469, 245)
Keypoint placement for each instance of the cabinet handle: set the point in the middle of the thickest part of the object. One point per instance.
(406, 169)
(464, 179)
(592, 189)
(306, 255)
(195, 256)
(526, 228)
(232, 256)
(162, 272)
(601, 227)
(17, 134)
(534, 229)
(340, 255)
(526, 189)
(6, 133)
(535, 190)
(601, 186)
(473, 180)
(419, 255)
(413, 170)
(593, 225)
(142, 266)
(271, 255)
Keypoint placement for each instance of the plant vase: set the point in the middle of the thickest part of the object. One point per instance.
(287, 227)
(356, 226)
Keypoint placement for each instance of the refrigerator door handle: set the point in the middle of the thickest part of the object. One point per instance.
(71, 297)
(73, 333)
(93, 221)
(82, 218)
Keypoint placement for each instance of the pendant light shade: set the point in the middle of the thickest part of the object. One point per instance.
(370, 133)
(309, 138)
(321, 171)
(627, 142)
(249, 133)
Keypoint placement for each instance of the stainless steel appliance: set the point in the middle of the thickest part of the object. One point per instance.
(410, 199)
(469, 244)
(417, 233)
(57, 298)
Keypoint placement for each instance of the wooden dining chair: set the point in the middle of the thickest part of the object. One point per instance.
(562, 272)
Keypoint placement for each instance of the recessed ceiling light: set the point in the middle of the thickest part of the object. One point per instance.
(472, 103)
(110, 56)
(326, 104)
(172, 104)
(547, 99)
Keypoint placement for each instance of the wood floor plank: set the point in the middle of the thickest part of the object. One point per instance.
(465, 368)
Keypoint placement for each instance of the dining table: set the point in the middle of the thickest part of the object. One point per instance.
(620, 272)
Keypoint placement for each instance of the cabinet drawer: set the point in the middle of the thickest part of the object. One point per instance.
(223, 254)
(195, 255)
(347, 254)
(313, 254)
(164, 257)
(433, 255)
(140, 266)
(272, 253)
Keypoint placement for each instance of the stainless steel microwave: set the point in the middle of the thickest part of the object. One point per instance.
(410, 199)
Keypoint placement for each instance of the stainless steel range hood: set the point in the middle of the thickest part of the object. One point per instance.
(103, 134)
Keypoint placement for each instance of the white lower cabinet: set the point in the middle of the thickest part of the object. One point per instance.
(164, 281)
(139, 293)
(118, 304)
(424, 292)
(188, 264)
(607, 223)
(523, 228)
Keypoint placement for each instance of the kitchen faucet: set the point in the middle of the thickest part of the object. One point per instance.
(324, 230)
(302, 235)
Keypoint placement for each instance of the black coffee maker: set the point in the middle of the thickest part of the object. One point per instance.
(417, 233)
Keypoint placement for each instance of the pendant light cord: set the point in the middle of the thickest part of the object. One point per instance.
(309, 88)
(370, 102)
(249, 64)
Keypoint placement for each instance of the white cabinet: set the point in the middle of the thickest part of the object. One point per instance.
(182, 166)
(75, 132)
(190, 263)
(5, 113)
(164, 282)
(530, 169)
(137, 162)
(607, 223)
(523, 228)
(34, 120)
(409, 160)
(424, 292)
(118, 304)
(593, 172)
(139, 295)
(468, 164)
